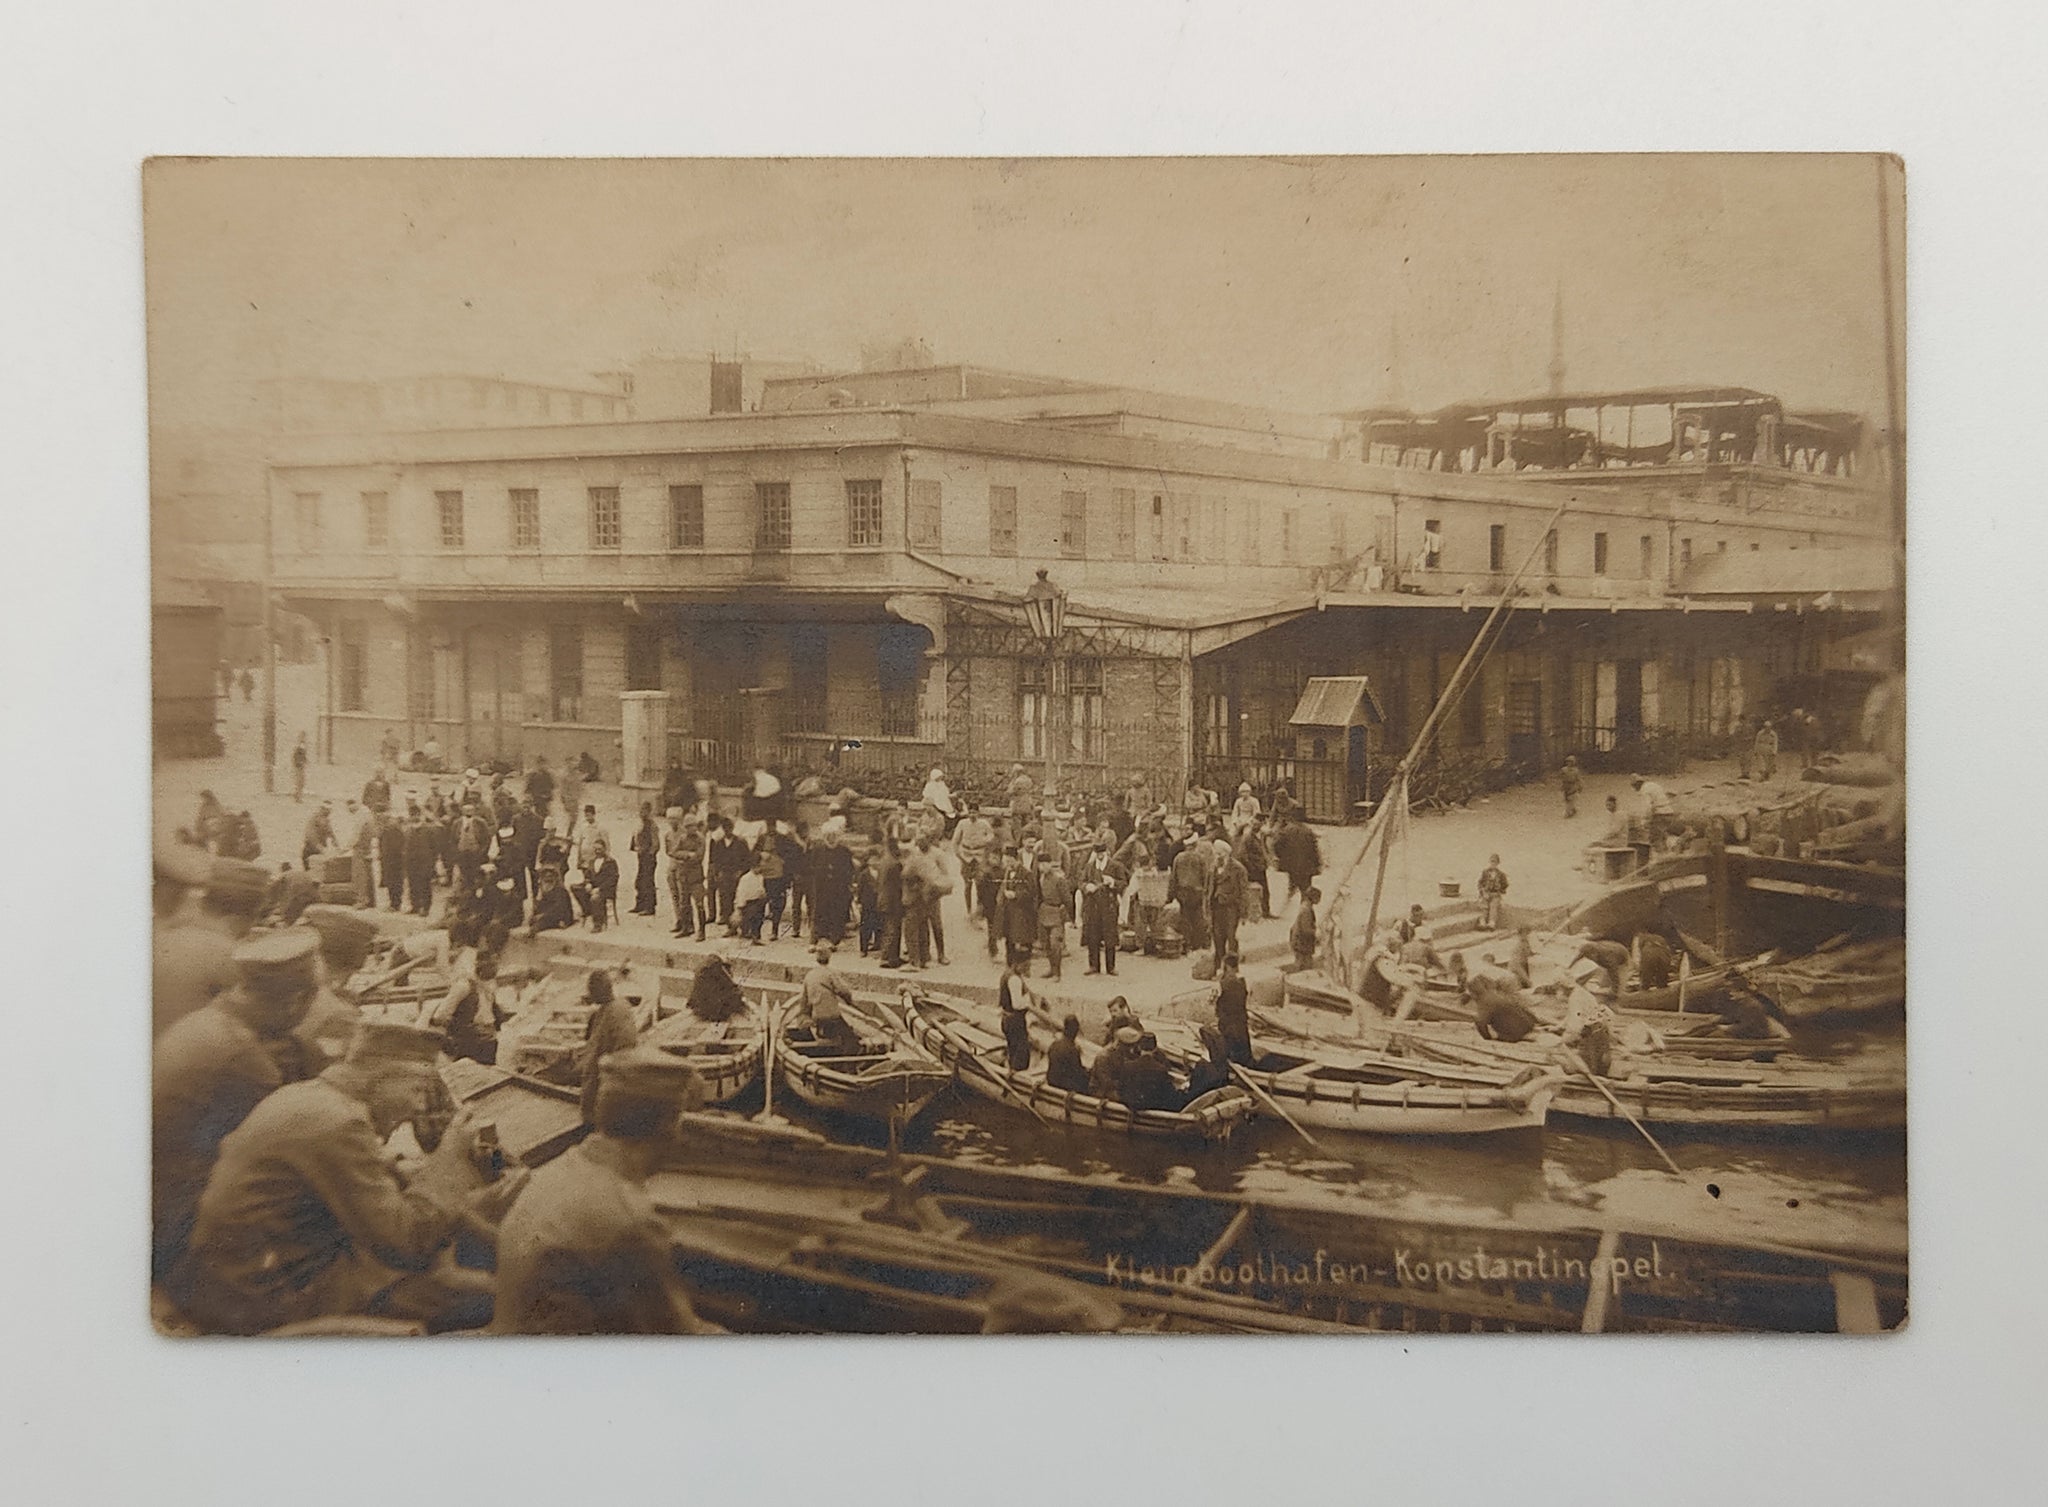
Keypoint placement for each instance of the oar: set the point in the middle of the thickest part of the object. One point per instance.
(1239, 1072)
(968, 1055)
(1580, 1063)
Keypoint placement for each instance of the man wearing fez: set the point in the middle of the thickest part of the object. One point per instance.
(212, 1068)
(306, 1216)
(203, 907)
(583, 1250)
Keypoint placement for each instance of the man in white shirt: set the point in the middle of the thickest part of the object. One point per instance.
(1657, 811)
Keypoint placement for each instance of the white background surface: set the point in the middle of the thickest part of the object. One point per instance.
(94, 1408)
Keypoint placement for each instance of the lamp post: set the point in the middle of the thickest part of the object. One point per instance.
(1045, 609)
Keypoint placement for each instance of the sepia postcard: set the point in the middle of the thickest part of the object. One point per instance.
(1237, 745)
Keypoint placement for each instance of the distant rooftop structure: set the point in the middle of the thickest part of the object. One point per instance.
(1060, 402)
(1643, 426)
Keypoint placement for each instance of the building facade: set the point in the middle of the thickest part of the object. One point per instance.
(834, 582)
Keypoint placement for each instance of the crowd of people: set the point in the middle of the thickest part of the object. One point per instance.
(1123, 872)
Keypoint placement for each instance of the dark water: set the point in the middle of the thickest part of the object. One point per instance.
(1810, 1191)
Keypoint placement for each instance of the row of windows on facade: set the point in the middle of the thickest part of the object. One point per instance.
(1177, 526)
(1432, 551)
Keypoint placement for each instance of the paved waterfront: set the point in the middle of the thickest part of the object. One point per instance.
(1540, 849)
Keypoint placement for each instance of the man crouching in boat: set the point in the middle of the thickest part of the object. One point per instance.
(583, 1250)
(1497, 1007)
(825, 998)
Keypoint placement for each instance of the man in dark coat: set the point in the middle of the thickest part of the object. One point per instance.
(889, 902)
(1015, 921)
(730, 858)
(1063, 1067)
(1229, 890)
(422, 838)
(714, 992)
(391, 857)
(1233, 1013)
(646, 849)
(831, 880)
(1102, 887)
(1191, 872)
(1297, 854)
(1145, 1081)
(540, 786)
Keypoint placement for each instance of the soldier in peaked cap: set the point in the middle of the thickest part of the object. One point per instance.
(306, 1217)
(583, 1250)
(346, 937)
(213, 1068)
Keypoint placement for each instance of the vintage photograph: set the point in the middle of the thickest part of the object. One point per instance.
(1162, 745)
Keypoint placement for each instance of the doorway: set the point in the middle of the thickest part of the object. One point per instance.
(1525, 723)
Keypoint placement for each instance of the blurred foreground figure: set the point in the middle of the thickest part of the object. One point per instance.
(583, 1250)
(307, 1217)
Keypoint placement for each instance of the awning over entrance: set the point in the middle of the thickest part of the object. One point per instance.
(1337, 701)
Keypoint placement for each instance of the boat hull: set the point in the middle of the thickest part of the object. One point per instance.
(1209, 1120)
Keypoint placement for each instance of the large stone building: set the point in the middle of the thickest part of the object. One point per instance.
(846, 565)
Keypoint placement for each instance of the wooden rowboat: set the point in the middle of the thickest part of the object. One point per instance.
(1370, 1093)
(726, 1054)
(962, 1036)
(1665, 1091)
(886, 1080)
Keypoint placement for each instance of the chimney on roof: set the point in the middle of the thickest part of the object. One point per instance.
(726, 387)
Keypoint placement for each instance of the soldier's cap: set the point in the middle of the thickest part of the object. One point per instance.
(1129, 1035)
(1036, 1304)
(506, 885)
(673, 812)
(344, 931)
(470, 774)
(181, 863)
(277, 962)
(650, 1073)
(237, 876)
(390, 1043)
(1635, 779)
(1223, 845)
(505, 831)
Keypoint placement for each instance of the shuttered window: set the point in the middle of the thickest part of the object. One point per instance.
(926, 501)
(1002, 520)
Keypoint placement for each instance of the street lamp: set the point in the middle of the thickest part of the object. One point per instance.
(1045, 609)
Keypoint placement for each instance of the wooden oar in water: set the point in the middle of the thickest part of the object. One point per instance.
(1580, 1063)
(1243, 1075)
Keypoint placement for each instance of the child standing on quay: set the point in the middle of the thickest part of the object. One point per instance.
(1493, 883)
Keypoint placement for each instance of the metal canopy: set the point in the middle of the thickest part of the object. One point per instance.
(1337, 701)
